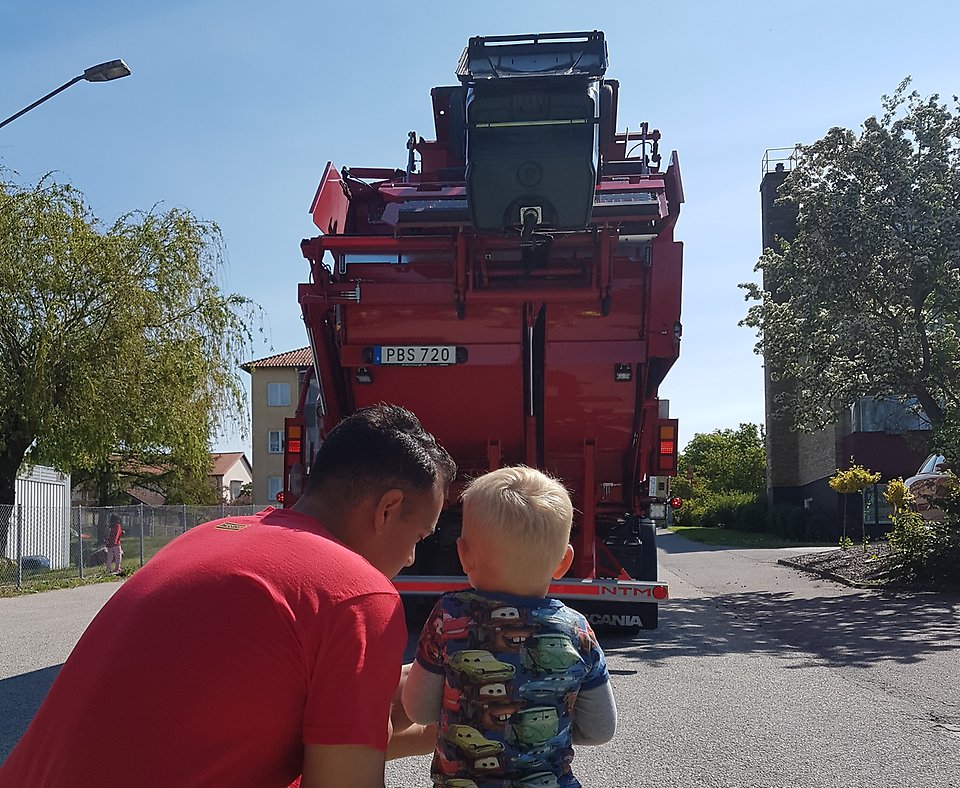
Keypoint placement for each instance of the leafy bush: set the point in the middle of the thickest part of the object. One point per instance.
(737, 510)
(721, 510)
(942, 567)
(912, 541)
(796, 523)
(689, 513)
(752, 516)
(925, 551)
(749, 512)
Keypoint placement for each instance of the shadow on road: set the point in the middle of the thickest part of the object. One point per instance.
(672, 543)
(856, 630)
(20, 697)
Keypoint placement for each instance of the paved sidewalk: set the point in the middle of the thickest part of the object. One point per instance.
(37, 633)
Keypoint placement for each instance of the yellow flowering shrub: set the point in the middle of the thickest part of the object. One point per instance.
(897, 495)
(854, 479)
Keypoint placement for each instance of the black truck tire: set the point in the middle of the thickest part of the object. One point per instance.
(648, 611)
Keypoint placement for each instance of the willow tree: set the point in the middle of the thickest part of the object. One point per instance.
(866, 300)
(114, 340)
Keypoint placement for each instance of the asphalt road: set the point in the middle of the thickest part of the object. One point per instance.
(762, 677)
(758, 677)
(37, 632)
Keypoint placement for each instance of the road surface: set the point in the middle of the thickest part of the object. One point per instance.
(758, 677)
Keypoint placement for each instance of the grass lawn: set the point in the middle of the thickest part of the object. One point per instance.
(727, 537)
(69, 577)
(51, 582)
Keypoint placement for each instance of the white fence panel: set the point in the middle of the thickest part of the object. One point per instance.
(43, 501)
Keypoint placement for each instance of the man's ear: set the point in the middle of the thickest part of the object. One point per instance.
(388, 510)
(564, 564)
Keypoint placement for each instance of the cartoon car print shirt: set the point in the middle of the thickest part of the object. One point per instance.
(512, 668)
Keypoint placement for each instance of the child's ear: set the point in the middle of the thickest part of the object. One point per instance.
(464, 552)
(564, 564)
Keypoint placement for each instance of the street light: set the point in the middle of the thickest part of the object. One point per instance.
(104, 72)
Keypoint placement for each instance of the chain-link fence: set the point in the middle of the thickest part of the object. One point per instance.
(43, 545)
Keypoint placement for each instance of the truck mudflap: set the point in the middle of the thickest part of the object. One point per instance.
(607, 604)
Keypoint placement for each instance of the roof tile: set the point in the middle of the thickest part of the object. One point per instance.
(301, 357)
(224, 461)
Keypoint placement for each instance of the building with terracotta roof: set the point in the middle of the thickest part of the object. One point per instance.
(274, 390)
(147, 484)
(229, 472)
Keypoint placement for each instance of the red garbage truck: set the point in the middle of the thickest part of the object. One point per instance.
(516, 284)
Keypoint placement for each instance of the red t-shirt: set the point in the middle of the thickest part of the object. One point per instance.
(113, 538)
(215, 662)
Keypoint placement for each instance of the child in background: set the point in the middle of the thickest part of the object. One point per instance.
(514, 678)
(114, 550)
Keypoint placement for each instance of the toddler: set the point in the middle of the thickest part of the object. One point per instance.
(513, 677)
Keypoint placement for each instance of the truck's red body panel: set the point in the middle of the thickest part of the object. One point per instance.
(562, 336)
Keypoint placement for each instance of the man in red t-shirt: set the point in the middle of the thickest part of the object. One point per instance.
(253, 650)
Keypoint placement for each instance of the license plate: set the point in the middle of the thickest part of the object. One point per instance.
(415, 355)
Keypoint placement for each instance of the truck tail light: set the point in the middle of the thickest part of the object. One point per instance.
(667, 449)
(294, 462)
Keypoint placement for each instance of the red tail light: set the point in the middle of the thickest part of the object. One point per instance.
(666, 460)
(294, 460)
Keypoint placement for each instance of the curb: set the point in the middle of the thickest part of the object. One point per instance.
(827, 575)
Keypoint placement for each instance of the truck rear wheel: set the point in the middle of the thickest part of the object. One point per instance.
(648, 611)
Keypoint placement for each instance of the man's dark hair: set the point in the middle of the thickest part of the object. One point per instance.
(376, 449)
(114, 519)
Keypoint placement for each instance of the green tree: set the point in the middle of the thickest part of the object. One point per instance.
(112, 478)
(245, 496)
(866, 299)
(114, 340)
(723, 461)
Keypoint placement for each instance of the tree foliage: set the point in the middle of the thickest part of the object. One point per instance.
(115, 341)
(723, 461)
(866, 299)
(852, 481)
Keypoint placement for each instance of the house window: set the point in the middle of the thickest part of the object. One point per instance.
(274, 485)
(278, 395)
(235, 486)
(275, 441)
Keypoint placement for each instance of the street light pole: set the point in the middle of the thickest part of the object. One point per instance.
(103, 72)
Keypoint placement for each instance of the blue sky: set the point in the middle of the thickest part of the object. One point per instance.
(234, 108)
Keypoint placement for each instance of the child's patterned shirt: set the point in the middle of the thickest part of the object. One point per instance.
(513, 667)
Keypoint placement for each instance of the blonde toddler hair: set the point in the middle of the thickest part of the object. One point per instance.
(521, 512)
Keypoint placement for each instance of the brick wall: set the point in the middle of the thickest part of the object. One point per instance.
(819, 454)
(781, 442)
